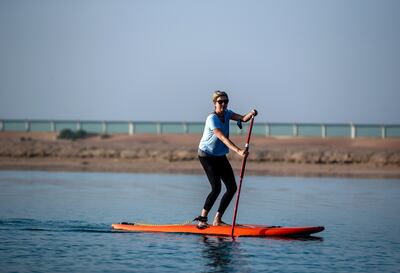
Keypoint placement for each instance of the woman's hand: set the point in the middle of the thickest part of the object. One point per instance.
(243, 153)
(229, 143)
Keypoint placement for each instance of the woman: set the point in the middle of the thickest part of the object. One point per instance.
(213, 147)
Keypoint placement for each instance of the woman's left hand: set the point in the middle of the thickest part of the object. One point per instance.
(243, 153)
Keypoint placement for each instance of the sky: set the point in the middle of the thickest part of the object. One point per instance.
(310, 61)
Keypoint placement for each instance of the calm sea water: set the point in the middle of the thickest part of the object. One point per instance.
(60, 222)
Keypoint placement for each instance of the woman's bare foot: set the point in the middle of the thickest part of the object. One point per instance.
(218, 220)
(220, 223)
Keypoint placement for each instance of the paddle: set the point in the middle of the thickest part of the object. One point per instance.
(241, 175)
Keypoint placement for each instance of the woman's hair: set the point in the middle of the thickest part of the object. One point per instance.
(218, 94)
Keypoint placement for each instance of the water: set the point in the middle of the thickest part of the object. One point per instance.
(60, 222)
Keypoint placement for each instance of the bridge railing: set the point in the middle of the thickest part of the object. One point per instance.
(268, 129)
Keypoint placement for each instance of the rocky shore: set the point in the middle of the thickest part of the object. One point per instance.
(178, 154)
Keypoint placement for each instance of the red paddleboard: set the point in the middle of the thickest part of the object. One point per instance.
(240, 230)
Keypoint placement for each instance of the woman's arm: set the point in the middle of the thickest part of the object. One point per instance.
(246, 117)
(229, 143)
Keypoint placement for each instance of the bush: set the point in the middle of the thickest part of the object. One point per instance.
(72, 135)
(80, 134)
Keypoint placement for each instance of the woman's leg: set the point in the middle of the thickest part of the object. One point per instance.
(210, 166)
(228, 178)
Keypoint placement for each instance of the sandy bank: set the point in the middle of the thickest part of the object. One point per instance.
(178, 154)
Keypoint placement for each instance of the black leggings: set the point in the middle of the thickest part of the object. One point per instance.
(217, 168)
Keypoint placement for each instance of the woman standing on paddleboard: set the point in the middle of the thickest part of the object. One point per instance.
(213, 147)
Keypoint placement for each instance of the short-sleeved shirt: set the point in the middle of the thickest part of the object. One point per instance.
(210, 143)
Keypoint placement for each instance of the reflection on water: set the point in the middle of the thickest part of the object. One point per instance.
(222, 254)
(294, 238)
(226, 254)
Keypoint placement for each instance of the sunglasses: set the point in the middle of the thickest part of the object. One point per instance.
(222, 101)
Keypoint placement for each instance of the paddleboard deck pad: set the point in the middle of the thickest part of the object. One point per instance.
(248, 230)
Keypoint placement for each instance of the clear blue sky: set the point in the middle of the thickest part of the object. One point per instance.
(295, 61)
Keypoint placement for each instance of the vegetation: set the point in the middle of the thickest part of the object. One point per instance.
(72, 135)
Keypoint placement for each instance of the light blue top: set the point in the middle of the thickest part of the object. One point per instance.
(209, 142)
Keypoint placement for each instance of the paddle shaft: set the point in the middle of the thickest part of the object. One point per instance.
(241, 176)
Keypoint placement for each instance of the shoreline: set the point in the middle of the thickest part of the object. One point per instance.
(193, 167)
(304, 157)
